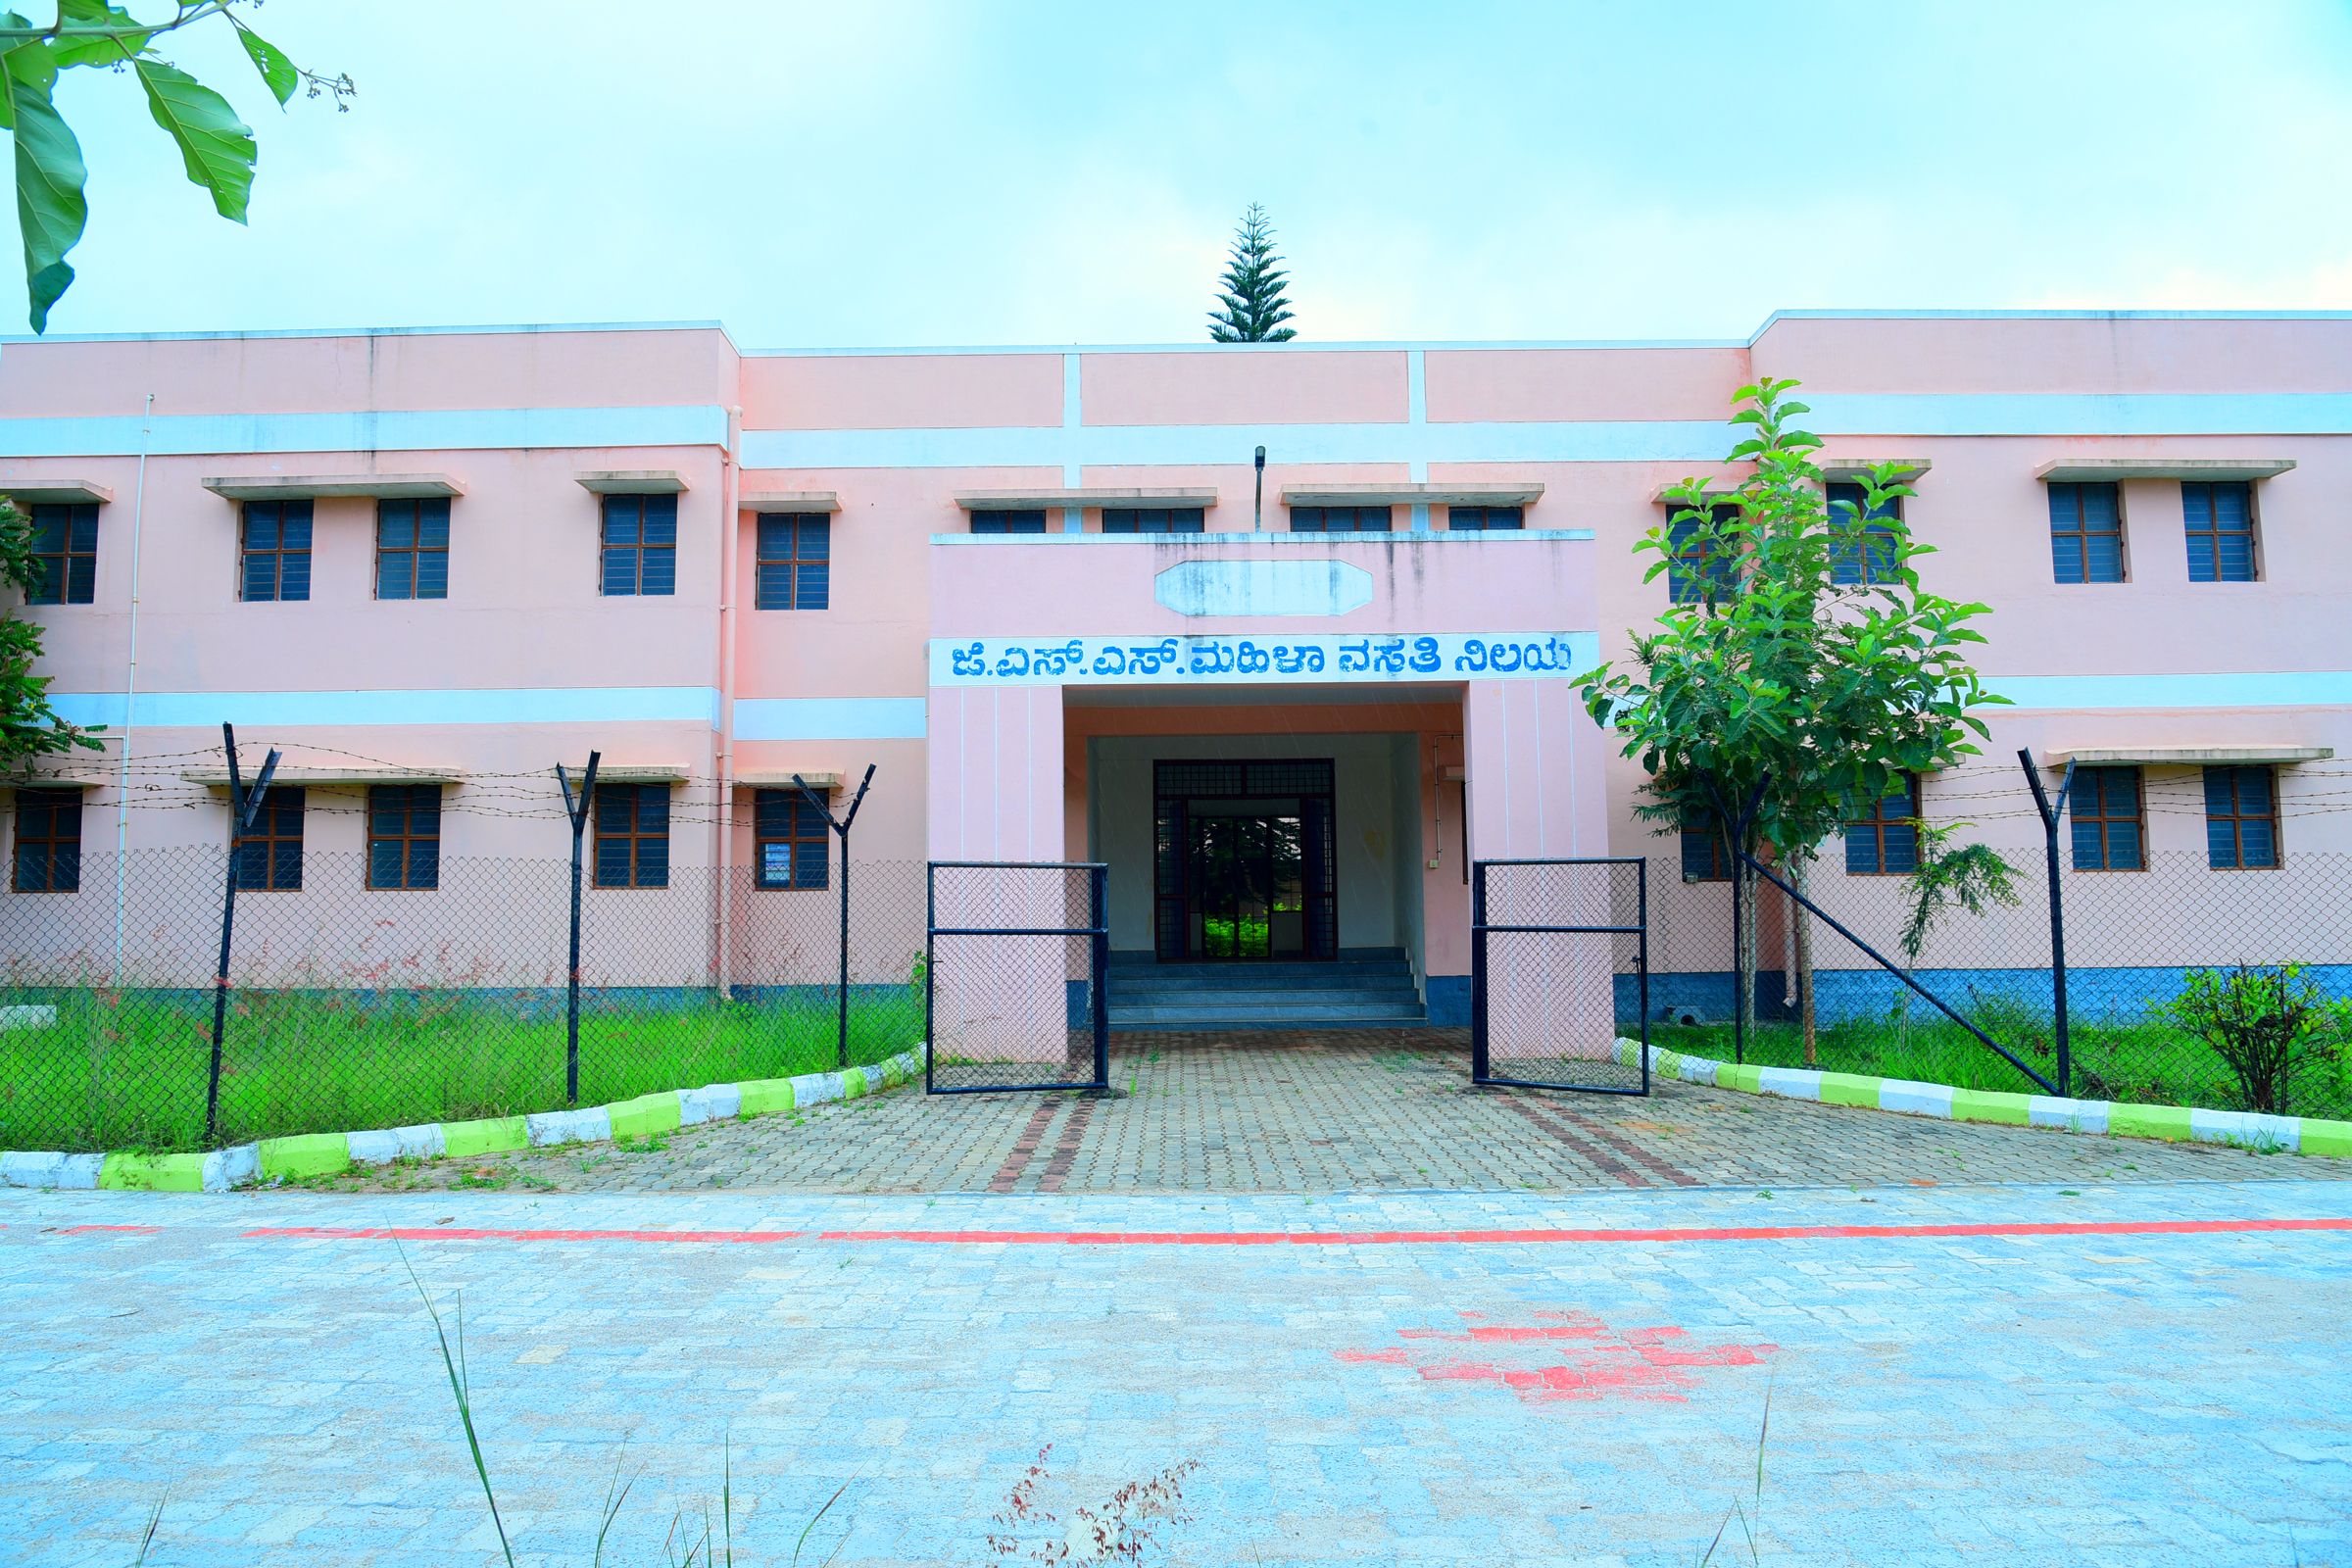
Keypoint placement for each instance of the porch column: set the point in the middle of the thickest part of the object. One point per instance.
(996, 762)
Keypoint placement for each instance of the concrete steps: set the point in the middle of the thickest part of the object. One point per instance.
(1365, 988)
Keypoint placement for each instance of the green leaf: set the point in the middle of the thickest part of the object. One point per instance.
(51, 209)
(216, 146)
(85, 51)
(271, 61)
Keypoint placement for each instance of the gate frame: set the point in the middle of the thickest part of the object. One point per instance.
(1099, 966)
(1480, 930)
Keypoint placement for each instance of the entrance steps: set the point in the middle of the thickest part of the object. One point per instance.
(1364, 988)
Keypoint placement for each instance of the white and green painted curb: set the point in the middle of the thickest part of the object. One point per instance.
(2303, 1135)
(328, 1154)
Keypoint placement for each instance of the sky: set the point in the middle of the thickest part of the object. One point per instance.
(884, 173)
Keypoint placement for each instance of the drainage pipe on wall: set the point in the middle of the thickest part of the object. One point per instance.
(722, 921)
(130, 693)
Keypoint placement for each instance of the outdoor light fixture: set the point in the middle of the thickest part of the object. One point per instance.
(1257, 503)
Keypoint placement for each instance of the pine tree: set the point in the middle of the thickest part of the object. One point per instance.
(1251, 291)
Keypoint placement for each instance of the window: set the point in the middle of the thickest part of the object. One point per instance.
(48, 855)
(2105, 805)
(2242, 818)
(270, 853)
(1477, 519)
(641, 545)
(1883, 839)
(1155, 519)
(1696, 567)
(65, 541)
(275, 560)
(1707, 855)
(792, 840)
(2087, 533)
(1008, 521)
(403, 835)
(2221, 531)
(796, 553)
(632, 835)
(1339, 520)
(412, 548)
(1870, 558)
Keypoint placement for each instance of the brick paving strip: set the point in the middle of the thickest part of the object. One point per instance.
(1679, 1178)
(1073, 1133)
(1026, 1146)
(1622, 1172)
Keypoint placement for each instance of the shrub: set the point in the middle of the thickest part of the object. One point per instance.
(2263, 1022)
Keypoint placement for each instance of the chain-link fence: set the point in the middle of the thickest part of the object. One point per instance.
(2132, 938)
(356, 1008)
(1019, 965)
(1552, 943)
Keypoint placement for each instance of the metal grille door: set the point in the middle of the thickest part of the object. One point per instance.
(1559, 952)
(1016, 955)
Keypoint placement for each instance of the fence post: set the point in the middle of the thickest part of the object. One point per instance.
(242, 804)
(577, 810)
(1477, 972)
(841, 827)
(2051, 816)
(1099, 966)
(930, 972)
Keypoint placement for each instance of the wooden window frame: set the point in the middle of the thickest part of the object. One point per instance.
(425, 515)
(785, 816)
(2063, 491)
(1024, 520)
(2237, 818)
(1320, 519)
(50, 801)
(1863, 565)
(282, 804)
(633, 835)
(280, 553)
(1873, 830)
(1682, 581)
(2213, 533)
(2077, 821)
(406, 839)
(1717, 852)
(1155, 519)
(611, 511)
(802, 582)
(1458, 519)
(72, 568)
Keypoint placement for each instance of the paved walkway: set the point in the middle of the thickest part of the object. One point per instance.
(2136, 1375)
(1341, 1112)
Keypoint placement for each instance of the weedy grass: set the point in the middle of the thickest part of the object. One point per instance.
(128, 1070)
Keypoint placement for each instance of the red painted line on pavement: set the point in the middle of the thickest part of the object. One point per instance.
(1725, 1233)
(129, 1230)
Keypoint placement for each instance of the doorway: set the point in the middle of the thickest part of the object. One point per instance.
(1243, 861)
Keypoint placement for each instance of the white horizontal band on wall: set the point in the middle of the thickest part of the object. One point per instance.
(680, 705)
(829, 719)
(2310, 688)
(379, 430)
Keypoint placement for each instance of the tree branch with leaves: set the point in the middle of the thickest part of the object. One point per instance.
(1252, 304)
(217, 147)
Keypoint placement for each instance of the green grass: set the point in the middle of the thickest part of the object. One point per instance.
(128, 1070)
(2145, 1063)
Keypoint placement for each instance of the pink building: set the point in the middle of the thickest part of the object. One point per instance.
(1050, 596)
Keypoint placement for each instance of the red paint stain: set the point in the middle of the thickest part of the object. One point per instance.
(441, 1233)
(121, 1230)
(1595, 1360)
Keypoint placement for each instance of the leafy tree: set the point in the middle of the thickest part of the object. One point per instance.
(1948, 876)
(213, 142)
(1801, 663)
(1251, 291)
(2261, 1021)
(28, 726)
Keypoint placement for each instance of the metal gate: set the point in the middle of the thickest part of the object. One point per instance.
(1559, 951)
(1015, 957)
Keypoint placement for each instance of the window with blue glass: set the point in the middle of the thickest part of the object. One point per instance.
(412, 548)
(1029, 521)
(269, 854)
(1484, 519)
(1870, 557)
(2221, 531)
(1341, 519)
(1883, 840)
(1700, 566)
(274, 551)
(632, 835)
(795, 561)
(2087, 533)
(2242, 818)
(641, 546)
(2108, 831)
(1155, 519)
(403, 835)
(792, 840)
(65, 546)
(1706, 854)
(48, 847)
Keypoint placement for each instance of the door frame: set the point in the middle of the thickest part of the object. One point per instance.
(1176, 782)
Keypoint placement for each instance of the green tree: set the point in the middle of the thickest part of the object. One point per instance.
(1799, 657)
(28, 726)
(215, 144)
(1254, 307)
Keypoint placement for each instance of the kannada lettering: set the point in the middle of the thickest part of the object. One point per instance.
(1188, 659)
